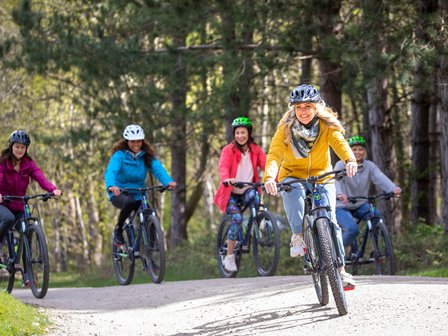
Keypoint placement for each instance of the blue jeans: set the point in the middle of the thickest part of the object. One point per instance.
(346, 219)
(294, 204)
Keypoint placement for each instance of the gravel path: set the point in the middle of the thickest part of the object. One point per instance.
(281, 305)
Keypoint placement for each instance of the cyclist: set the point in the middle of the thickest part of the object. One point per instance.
(16, 169)
(238, 162)
(299, 149)
(356, 186)
(132, 158)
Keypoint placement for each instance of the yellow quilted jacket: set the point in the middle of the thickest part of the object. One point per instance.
(280, 159)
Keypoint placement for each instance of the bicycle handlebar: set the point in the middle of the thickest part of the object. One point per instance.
(160, 188)
(26, 198)
(371, 198)
(240, 185)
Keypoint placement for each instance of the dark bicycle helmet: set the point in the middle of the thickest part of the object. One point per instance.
(304, 93)
(19, 136)
(242, 122)
(357, 140)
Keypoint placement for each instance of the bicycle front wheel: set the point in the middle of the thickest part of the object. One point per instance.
(383, 251)
(154, 249)
(6, 270)
(328, 252)
(266, 242)
(37, 262)
(312, 263)
(123, 259)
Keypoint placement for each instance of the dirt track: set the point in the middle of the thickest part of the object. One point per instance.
(285, 305)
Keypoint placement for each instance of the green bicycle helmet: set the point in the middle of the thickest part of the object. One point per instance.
(357, 140)
(241, 121)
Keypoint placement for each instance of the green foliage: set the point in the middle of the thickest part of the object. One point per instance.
(421, 247)
(19, 319)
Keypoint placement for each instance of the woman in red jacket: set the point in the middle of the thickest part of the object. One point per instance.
(16, 169)
(238, 162)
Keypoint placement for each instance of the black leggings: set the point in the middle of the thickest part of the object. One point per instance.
(7, 219)
(127, 204)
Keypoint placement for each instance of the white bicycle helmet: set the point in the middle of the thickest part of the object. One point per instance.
(133, 132)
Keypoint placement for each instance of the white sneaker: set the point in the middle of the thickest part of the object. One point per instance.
(347, 280)
(229, 263)
(298, 247)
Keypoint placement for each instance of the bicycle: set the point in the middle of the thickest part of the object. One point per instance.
(375, 241)
(143, 240)
(322, 258)
(260, 229)
(30, 246)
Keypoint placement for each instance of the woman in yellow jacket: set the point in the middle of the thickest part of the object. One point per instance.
(301, 148)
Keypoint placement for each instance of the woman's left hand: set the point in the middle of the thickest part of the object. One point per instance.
(172, 185)
(351, 168)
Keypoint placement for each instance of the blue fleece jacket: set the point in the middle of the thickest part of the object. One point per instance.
(127, 170)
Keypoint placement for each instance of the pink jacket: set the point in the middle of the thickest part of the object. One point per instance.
(15, 183)
(228, 165)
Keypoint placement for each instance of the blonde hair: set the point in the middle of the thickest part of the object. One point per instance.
(328, 116)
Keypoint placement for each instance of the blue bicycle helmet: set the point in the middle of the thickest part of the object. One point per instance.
(19, 136)
(304, 93)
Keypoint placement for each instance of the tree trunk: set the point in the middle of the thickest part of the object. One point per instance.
(329, 64)
(443, 110)
(380, 129)
(178, 221)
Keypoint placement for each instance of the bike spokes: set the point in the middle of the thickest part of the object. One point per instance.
(154, 249)
(123, 258)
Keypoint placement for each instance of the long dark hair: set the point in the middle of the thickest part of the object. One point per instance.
(6, 155)
(122, 144)
(250, 140)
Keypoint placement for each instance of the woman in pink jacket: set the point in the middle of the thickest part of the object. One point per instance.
(16, 169)
(238, 162)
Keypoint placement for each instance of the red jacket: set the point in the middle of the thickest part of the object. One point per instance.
(15, 183)
(228, 165)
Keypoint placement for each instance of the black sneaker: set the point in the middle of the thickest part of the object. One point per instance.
(118, 236)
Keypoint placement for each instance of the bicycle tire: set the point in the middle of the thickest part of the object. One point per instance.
(153, 249)
(123, 259)
(312, 261)
(266, 248)
(7, 274)
(221, 249)
(328, 252)
(383, 250)
(37, 261)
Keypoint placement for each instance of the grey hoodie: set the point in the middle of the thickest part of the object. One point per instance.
(359, 185)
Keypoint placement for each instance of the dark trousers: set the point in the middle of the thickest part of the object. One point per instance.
(7, 219)
(126, 204)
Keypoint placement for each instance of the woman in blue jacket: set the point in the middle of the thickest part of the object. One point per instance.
(132, 158)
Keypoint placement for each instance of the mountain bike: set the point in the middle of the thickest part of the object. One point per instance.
(322, 258)
(373, 245)
(259, 228)
(143, 237)
(25, 243)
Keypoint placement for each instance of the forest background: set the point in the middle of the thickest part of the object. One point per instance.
(75, 73)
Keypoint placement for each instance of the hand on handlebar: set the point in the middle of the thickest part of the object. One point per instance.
(229, 182)
(114, 190)
(57, 192)
(351, 168)
(172, 185)
(343, 198)
(271, 187)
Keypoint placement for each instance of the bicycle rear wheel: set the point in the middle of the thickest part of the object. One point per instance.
(6, 271)
(383, 250)
(221, 249)
(328, 252)
(37, 262)
(312, 263)
(267, 244)
(153, 249)
(123, 259)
